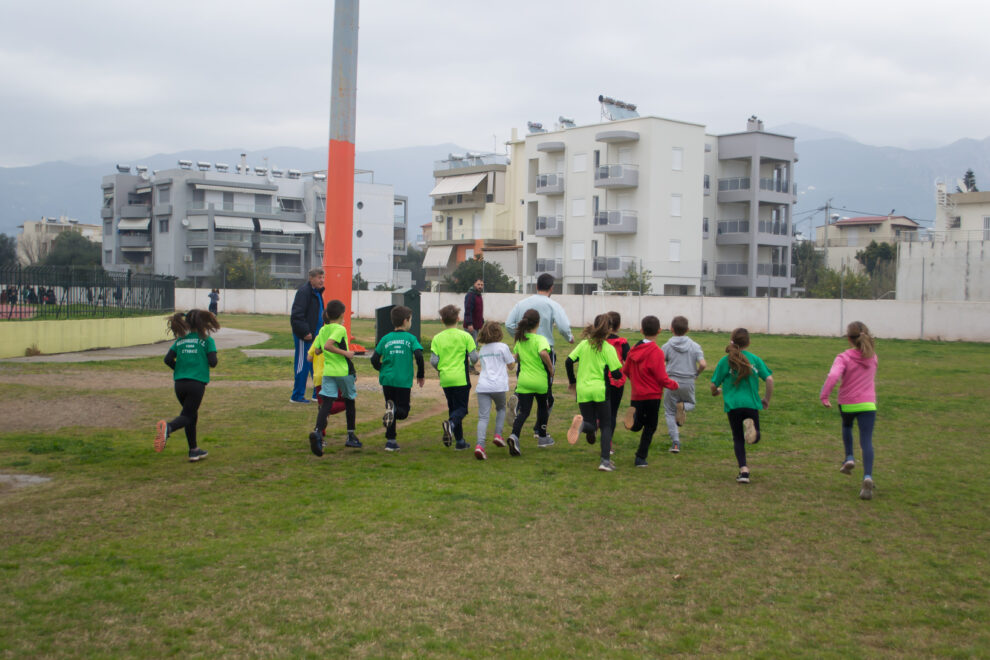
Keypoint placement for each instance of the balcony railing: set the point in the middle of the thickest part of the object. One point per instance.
(550, 225)
(617, 176)
(135, 240)
(731, 268)
(778, 185)
(461, 201)
(550, 184)
(135, 211)
(398, 246)
(470, 160)
(611, 266)
(285, 269)
(775, 227)
(773, 270)
(733, 227)
(553, 266)
(733, 183)
(241, 208)
(616, 222)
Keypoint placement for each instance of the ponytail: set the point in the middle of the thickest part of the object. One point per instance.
(861, 339)
(199, 321)
(177, 324)
(597, 332)
(738, 363)
(530, 321)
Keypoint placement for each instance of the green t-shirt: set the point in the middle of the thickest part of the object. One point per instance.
(452, 346)
(396, 350)
(591, 369)
(190, 357)
(333, 364)
(745, 393)
(532, 372)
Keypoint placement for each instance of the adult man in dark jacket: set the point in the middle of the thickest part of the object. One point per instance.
(474, 309)
(306, 319)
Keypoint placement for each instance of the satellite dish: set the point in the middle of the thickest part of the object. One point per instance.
(185, 222)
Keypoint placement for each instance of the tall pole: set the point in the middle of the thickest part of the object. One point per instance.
(337, 250)
(828, 218)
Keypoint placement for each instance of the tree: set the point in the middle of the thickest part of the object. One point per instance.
(874, 255)
(809, 265)
(412, 261)
(238, 270)
(969, 182)
(385, 287)
(30, 248)
(841, 284)
(358, 283)
(8, 251)
(636, 279)
(470, 271)
(71, 248)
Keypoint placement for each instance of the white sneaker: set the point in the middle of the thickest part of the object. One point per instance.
(866, 493)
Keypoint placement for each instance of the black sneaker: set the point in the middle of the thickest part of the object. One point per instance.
(352, 440)
(514, 446)
(316, 442)
(391, 445)
(389, 415)
(448, 437)
(743, 478)
(197, 454)
(461, 444)
(641, 462)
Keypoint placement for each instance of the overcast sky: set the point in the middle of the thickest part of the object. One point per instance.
(118, 80)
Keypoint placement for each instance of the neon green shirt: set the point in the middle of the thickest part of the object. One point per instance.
(190, 357)
(591, 369)
(745, 393)
(452, 346)
(333, 364)
(396, 350)
(532, 372)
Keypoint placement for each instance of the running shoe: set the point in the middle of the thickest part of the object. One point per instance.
(316, 442)
(448, 437)
(606, 466)
(680, 416)
(545, 441)
(514, 446)
(847, 467)
(161, 435)
(629, 419)
(750, 433)
(391, 445)
(743, 478)
(498, 441)
(352, 440)
(866, 493)
(575, 430)
(197, 455)
(479, 453)
(389, 415)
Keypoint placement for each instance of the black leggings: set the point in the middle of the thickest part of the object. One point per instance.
(399, 396)
(190, 395)
(647, 416)
(321, 417)
(614, 400)
(597, 415)
(736, 418)
(525, 406)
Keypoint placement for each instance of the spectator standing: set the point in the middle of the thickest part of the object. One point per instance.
(474, 312)
(214, 300)
(306, 319)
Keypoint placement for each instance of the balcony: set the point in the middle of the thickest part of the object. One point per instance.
(139, 241)
(733, 189)
(617, 176)
(732, 232)
(550, 184)
(773, 275)
(278, 242)
(773, 232)
(198, 238)
(611, 266)
(778, 185)
(106, 212)
(771, 270)
(231, 238)
(135, 211)
(451, 202)
(615, 222)
(457, 162)
(398, 247)
(731, 274)
(550, 225)
(553, 266)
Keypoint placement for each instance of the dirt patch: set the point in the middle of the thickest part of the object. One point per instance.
(10, 482)
(46, 414)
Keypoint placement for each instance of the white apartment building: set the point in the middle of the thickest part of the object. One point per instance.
(34, 242)
(594, 201)
(176, 221)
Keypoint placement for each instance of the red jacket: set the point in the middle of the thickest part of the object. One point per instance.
(647, 372)
(621, 347)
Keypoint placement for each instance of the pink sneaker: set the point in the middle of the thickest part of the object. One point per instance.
(479, 453)
(498, 441)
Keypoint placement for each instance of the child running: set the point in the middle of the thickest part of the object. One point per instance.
(685, 362)
(856, 368)
(532, 351)
(191, 357)
(393, 359)
(597, 359)
(648, 376)
(737, 377)
(337, 405)
(452, 351)
(616, 386)
(493, 384)
(339, 377)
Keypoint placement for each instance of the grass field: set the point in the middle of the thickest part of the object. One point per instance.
(265, 550)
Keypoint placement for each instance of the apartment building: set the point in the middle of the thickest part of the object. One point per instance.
(177, 221)
(847, 236)
(636, 193)
(470, 216)
(961, 216)
(34, 241)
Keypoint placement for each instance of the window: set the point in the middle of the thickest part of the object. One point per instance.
(677, 159)
(577, 207)
(704, 268)
(594, 248)
(986, 227)
(321, 205)
(675, 249)
(675, 205)
(873, 229)
(460, 222)
(163, 224)
(263, 203)
(468, 254)
(228, 201)
(108, 256)
(577, 250)
(290, 205)
(955, 222)
(108, 227)
(580, 163)
(108, 199)
(704, 227)
(164, 194)
(199, 199)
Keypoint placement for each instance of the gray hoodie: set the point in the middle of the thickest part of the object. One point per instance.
(682, 355)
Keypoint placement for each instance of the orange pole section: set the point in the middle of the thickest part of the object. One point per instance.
(337, 249)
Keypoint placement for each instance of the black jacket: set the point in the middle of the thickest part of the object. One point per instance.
(307, 311)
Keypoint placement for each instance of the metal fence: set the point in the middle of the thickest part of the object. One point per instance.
(66, 292)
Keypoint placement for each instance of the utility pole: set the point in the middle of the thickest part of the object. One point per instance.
(828, 219)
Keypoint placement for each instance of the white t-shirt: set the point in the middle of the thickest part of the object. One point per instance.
(493, 358)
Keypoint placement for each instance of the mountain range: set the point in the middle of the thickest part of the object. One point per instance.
(859, 179)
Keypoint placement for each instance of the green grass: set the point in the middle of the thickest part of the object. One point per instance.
(265, 550)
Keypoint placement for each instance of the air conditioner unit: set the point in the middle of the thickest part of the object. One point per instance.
(187, 258)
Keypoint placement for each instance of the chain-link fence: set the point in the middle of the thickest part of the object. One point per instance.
(66, 292)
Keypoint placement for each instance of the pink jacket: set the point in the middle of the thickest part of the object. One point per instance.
(856, 374)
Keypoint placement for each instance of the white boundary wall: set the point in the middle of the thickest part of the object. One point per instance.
(892, 319)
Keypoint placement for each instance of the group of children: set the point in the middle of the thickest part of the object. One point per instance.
(597, 371)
